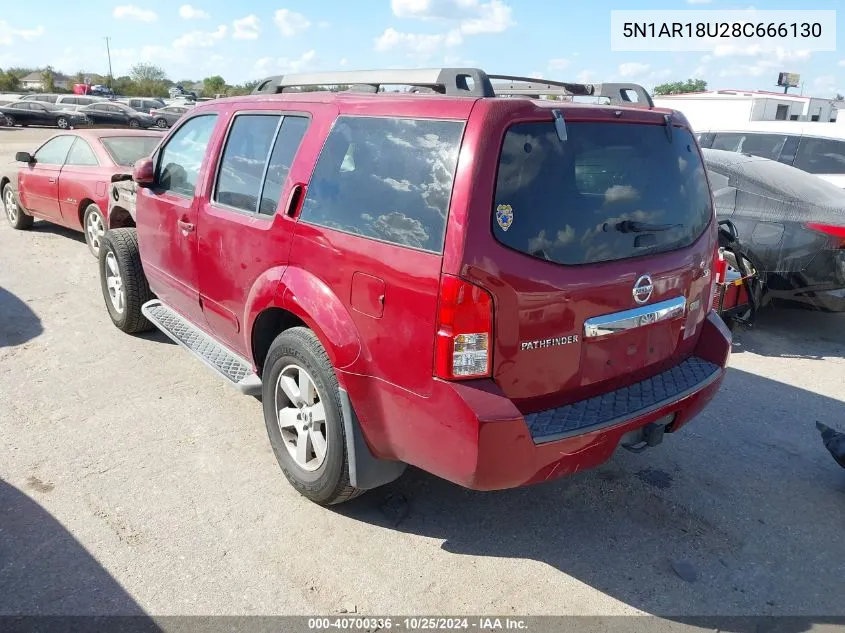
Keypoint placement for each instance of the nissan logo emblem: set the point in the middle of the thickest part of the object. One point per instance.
(643, 289)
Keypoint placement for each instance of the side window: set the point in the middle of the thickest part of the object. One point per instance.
(386, 178)
(284, 151)
(54, 151)
(181, 157)
(81, 154)
(244, 158)
(763, 145)
(820, 156)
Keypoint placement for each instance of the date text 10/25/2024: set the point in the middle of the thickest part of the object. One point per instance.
(418, 624)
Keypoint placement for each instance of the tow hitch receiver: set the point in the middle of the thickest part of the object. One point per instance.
(647, 436)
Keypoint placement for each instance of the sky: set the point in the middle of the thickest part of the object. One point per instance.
(564, 40)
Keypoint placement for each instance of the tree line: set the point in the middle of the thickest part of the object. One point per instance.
(142, 80)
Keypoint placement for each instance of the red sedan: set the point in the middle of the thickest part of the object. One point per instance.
(67, 180)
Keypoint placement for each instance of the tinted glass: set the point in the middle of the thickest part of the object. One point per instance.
(820, 156)
(611, 191)
(54, 151)
(70, 101)
(180, 160)
(763, 145)
(244, 159)
(284, 151)
(47, 98)
(780, 181)
(127, 150)
(388, 179)
(81, 154)
(22, 106)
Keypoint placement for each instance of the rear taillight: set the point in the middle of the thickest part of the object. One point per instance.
(464, 330)
(720, 271)
(836, 232)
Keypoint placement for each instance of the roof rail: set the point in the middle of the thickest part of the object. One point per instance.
(466, 82)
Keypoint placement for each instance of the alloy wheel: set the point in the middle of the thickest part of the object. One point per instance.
(301, 416)
(114, 283)
(95, 229)
(11, 205)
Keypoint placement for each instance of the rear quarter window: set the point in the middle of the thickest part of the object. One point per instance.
(820, 156)
(388, 179)
(610, 191)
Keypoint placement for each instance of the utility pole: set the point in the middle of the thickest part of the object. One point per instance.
(108, 52)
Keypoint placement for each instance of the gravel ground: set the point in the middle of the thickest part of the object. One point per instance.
(133, 480)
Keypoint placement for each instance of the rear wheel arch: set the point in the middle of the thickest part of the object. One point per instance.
(120, 218)
(267, 326)
(83, 205)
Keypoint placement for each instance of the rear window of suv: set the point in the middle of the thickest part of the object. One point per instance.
(610, 191)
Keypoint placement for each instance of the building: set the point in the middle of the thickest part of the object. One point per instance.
(705, 110)
(34, 81)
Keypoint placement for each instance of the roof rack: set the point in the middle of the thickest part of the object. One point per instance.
(466, 82)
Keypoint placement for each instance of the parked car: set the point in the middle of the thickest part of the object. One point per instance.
(817, 148)
(167, 116)
(497, 290)
(792, 224)
(178, 91)
(74, 102)
(112, 114)
(66, 180)
(143, 104)
(43, 97)
(25, 113)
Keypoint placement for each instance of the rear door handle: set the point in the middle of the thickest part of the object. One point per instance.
(186, 227)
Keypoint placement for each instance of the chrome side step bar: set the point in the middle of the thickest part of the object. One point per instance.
(224, 361)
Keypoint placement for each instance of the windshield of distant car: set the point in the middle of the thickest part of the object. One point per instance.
(126, 150)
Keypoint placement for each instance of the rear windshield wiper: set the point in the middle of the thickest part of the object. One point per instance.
(632, 226)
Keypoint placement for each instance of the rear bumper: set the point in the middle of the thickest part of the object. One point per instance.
(471, 434)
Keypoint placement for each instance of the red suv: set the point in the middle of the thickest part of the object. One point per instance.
(495, 288)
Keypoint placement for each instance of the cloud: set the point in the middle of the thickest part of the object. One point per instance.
(756, 50)
(290, 22)
(192, 13)
(470, 16)
(842, 62)
(8, 34)
(246, 28)
(201, 39)
(633, 69)
(585, 76)
(273, 66)
(419, 44)
(131, 12)
(699, 1)
(559, 63)
(344, 62)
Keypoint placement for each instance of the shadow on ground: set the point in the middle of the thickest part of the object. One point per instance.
(789, 332)
(42, 226)
(44, 571)
(18, 323)
(740, 513)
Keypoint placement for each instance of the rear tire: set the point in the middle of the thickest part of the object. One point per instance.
(17, 217)
(134, 124)
(161, 123)
(315, 419)
(62, 123)
(10, 121)
(94, 226)
(124, 285)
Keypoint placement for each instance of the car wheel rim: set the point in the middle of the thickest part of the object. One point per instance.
(133, 124)
(114, 283)
(62, 123)
(11, 205)
(301, 416)
(95, 229)
(161, 123)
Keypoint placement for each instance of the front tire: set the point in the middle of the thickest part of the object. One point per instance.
(62, 123)
(303, 416)
(17, 217)
(124, 285)
(134, 124)
(95, 227)
(161, 123)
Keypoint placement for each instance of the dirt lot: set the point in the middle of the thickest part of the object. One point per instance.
(132, 478)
